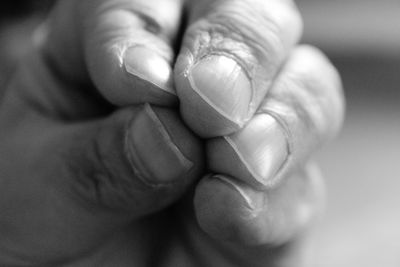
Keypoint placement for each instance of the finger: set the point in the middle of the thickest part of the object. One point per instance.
(304, 109)
(86, 180)
(126, 45)
(230, 53)
(138, 160)
(229, 210)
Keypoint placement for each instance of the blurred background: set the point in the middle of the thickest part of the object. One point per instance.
(361, 226)
(362, 167)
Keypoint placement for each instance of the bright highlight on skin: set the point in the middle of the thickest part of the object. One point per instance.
(148, 65)
(224, 85)
(153, 154)
(262, 147)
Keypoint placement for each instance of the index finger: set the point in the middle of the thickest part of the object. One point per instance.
(229, 57)
(123, 47)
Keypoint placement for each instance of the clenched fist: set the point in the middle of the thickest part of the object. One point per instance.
(164, 133)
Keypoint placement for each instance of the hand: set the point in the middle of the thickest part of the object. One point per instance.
(92, 177)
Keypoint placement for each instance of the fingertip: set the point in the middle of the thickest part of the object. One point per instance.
(147, 65)
(185, 139)
(161, 149)
(142, 159)
(225, 70)
(215, 94)
(256, 155)
(128, 50)
(130, 74)
(230, 211)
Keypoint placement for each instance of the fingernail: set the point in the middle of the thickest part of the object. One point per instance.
(154, 156)
(238, 188)
(262, 147)
(148, 65)
(224, 85)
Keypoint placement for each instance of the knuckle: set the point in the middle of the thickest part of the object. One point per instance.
(311, 92)
(322, 86)
(257, 33)
(159, 19)
(222, 36)
(100, 177)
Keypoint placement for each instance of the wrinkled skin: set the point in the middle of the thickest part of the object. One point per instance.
(81, 152)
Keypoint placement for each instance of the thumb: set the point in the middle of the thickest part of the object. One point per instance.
(74, 185)
(138, 160)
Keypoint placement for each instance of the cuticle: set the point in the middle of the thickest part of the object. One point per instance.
(217, 53)
(129, 153)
